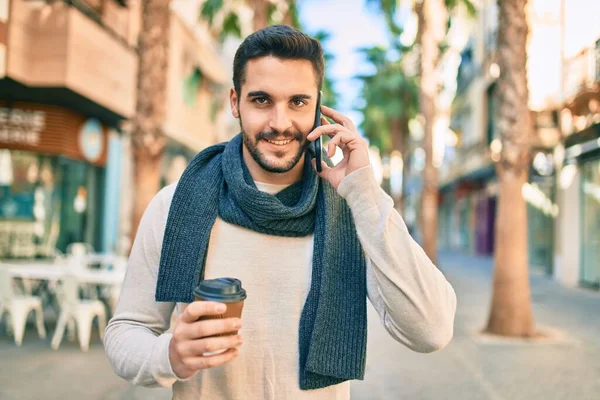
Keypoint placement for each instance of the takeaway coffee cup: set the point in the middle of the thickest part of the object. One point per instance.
(223, 290)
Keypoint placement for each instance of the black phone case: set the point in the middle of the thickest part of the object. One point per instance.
(319, 141)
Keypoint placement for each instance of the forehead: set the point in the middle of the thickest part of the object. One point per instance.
(274, 75)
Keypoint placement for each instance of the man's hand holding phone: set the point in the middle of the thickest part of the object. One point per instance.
(193, 338)
(344, 135)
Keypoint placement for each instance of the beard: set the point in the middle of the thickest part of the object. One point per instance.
(279, 161)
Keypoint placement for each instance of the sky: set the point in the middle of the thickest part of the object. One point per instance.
(352, 25)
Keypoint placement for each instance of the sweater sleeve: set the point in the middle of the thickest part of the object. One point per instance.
(415, 302)
(136, 338)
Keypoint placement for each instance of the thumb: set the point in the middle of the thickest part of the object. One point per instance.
(324, 169)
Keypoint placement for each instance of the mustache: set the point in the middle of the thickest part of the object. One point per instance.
(273, 135)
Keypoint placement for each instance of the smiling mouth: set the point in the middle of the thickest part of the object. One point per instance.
(279, 142)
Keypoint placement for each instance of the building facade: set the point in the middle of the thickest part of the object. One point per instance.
(468, 183)
(67, 81)
(563, 192)
(577, 256)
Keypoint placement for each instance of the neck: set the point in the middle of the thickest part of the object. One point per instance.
(261, 175)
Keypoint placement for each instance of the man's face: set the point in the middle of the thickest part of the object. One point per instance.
(276, 108)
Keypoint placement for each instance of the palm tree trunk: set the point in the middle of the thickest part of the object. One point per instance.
(511, 313)
(429, 18)
(399, 136)
(148, 139)
(261, 13)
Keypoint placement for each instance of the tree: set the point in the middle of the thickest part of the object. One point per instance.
(278, 11)
(266, 12)
(330, 95)
(433, 17)
(511, 312)
(148, 140)
(431, 14)
(261, 13)
(390, 101)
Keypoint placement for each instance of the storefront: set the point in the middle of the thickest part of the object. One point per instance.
(583, 149)
(52, 179)
(590, 223)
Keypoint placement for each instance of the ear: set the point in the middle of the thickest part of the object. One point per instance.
(233, 99)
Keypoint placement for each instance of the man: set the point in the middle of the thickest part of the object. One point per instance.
(309, 249)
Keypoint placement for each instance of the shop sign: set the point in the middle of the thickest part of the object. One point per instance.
(21, 127)
(52, 130)
(91, 139)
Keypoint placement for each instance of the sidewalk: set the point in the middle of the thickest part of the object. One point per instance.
(475, 367)
(471, 367)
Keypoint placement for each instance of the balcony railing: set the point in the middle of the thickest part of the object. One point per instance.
(582, 71)
(64, 48)
(468, 160)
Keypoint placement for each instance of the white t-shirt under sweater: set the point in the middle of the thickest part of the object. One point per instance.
(413, 299)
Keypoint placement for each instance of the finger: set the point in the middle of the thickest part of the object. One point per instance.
(210, 327)
(198, 309)
(324, 168)
(328, 130)
(325, 121)
(331, 148)
(344, 138)
(204, 362)
(194, 348)
(337, 117)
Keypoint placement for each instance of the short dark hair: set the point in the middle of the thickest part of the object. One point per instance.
(281, 41)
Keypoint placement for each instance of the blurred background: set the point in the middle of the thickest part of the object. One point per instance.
(487, 140)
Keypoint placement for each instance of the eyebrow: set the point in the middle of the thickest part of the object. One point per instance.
(262, 93)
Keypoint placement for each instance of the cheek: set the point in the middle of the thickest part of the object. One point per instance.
(253, 121)
(306, 122)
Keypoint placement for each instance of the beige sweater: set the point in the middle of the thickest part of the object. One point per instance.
(413, 299)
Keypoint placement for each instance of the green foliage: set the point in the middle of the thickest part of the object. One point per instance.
(295, 14)
(271, 8)
(388, 94)
(231, 27)
(388, 8)
(330, 96)
(209, 9)
(231, 23)
(470, 7)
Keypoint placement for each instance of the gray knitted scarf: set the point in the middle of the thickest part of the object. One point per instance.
(333, 324)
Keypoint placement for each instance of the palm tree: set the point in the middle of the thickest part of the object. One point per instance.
(264, 14)
(429, 39)
(390, 101)
(261, 10)
(148, 139)
(511, 312)
(231, 27)
(330, 95)
(433, 16)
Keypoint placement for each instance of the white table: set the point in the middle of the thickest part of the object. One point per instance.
(99, 258)
(53, 272)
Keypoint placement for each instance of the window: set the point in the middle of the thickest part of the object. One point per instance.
(191, 85)
(591, 223)
(492, 103)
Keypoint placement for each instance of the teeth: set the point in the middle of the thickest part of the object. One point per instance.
(279, 142)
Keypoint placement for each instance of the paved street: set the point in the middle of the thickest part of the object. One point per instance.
(471, 367)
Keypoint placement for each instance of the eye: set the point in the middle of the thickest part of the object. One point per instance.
(298, 102)
(260, 100)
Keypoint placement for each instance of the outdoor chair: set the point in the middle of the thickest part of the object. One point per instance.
(18, 307)
(79, 249)
(82, 312)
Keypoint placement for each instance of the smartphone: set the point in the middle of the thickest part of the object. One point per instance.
(319, 141)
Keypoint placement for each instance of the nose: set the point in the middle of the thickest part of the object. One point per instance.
(280, 120)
